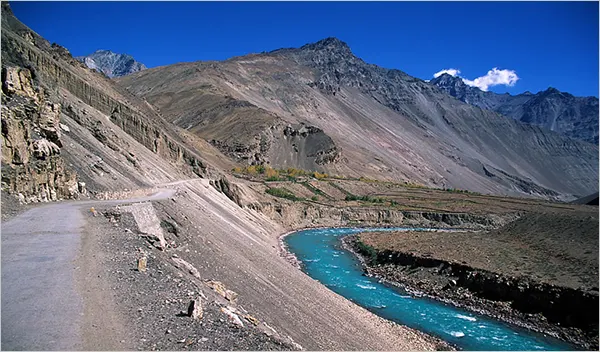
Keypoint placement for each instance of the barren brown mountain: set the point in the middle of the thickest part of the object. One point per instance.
(361, 120)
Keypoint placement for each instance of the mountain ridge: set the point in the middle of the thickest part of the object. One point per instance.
(382, 123)
(111, 64)
(575, 117)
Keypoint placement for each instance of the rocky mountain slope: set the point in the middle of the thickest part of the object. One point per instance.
(112, 64)
(368, 121)
(63, 123)
(575, 117)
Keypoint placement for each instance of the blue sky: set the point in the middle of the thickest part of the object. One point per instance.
(544, 43)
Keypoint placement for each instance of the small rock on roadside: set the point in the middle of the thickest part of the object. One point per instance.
(195, 309)
(142, 264)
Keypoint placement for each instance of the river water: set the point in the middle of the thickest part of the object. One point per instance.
(323, 259)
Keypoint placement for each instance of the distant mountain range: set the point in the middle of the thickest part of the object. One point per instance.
(575, 117)
(112, 64)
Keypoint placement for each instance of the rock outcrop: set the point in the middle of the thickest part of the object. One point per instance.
(32, 166)
(283, 144)
(299, 215)
(55, 66)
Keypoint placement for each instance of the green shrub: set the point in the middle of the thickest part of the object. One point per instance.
(314, 189)
(456, 190)
(367, 251)
(283, 193)
(350, 197)
(294, 172)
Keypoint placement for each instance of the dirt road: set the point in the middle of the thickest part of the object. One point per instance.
(41, 308)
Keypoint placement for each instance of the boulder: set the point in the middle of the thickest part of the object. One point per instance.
(195, 309)
(182, 264)
(142, 264)
(233, 317)
(222, 290)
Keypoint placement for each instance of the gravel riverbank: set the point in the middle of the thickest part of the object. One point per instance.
(439, 283)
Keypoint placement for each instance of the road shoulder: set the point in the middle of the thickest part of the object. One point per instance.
(104, 327)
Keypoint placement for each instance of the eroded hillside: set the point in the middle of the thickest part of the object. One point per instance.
(57, 110)
(383, 123)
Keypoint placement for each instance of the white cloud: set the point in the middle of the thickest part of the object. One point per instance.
(451, 71)
(494, 77)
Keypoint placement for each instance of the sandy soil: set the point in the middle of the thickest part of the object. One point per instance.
(239, 248)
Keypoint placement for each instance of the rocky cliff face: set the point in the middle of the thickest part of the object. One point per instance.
(470, 95)
(32, 166)
(575, 117)
(61, 72)
(281, 145)
(112, 64)
(111, 139)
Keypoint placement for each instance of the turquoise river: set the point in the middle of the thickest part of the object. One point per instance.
(323, 258)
